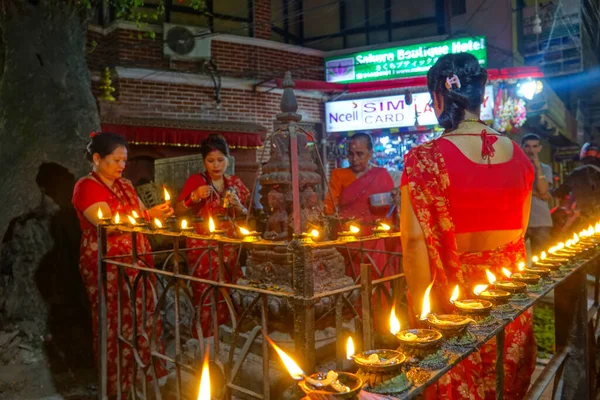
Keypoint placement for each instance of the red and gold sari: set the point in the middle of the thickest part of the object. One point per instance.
(203, 262)
(122, 198)
(474, 378)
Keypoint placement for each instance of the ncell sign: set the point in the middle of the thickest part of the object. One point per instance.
(399, 62)
(390, 112)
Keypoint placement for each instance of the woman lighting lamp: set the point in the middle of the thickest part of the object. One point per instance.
(105, 188)
(222, 197)
(466, 199)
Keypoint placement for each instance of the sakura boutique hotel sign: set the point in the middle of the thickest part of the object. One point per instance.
(390, 112)
(399, 62)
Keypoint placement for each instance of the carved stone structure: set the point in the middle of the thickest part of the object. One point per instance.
(271, 266)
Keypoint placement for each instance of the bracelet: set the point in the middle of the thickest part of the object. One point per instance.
(188, 202)
(541, 177)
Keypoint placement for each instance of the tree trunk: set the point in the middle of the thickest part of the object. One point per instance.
(47, 109)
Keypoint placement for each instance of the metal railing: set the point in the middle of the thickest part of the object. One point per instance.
(350, 309)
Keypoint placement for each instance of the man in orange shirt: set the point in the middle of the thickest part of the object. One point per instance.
(350, 188)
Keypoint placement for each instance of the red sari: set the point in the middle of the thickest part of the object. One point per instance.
(122, 199)
(474, 378)
(204, 263)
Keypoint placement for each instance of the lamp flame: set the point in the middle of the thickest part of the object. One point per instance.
(560, 246)
(293, 369)
(569, 243)
(479, 289)
(426, 303)
(314, 233)
(536, 258)
(521, 266)
(211, 224)
(543, 255)
(394, 322)
(575, 238)
(350, 348)
(384, 227)
(354, 229)
(491, 277)
(454, 296)
(204, 392)
(131, 219)
(135, 215)
(100, 215)
(117, 218)
(184, 224)
(244, 231)
(157, 223)
(506, 272)
(167, 195)
(597, 228)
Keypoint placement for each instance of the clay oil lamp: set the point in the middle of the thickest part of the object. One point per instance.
(450, 325)
(213, 229)
(101, 218)
(185, 227)
(420, 342)
(157, 224)
(511, 285)
(249, 236)
(138, 220)
(350, 234)
(331, 385)
(543, 262)
(308, 237)
(526, 277)
(376, 366)
(588, 236)
(496, 296)
(117, 219)
(134, 222)
(382, 230)
(541, 271)
(555, 255)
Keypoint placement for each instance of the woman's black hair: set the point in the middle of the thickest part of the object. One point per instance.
(104, 143)
(212, 143)
(468, 96)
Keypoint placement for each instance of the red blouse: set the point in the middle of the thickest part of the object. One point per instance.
(486, 197)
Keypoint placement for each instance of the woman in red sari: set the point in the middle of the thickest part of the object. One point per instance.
(105, 188)
(465, 206)
(212, 194)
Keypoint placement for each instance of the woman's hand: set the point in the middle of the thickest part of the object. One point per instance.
(161, 211)
(236, 202)
(201, 192)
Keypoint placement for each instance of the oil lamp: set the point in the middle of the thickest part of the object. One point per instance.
(117, 219)
(526, 277)
(421, 342)
(382, 230)
(376, 367)
(449, 325)
(157, 224)
(212, 228)
(101, 218)
(139, 220)
(132, 221)
(331, 385)
(510, 285)
(496, 296)
(249, 236)
(185, 227)
(350, 234)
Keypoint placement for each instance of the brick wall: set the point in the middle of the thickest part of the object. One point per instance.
(130, 48)
(176, 101)
(262, 19)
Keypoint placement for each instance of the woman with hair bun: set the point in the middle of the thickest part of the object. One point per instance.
(466, 199)
(222, 197)
(105, 188)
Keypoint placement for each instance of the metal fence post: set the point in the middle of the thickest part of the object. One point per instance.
(102, 315)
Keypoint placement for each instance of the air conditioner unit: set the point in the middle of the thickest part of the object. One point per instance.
(186, 42)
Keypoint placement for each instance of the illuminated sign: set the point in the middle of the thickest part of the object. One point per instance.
(399, 62)
(390, 112)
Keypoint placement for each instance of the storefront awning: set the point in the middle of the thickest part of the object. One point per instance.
(419, 81)
(186, 133)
